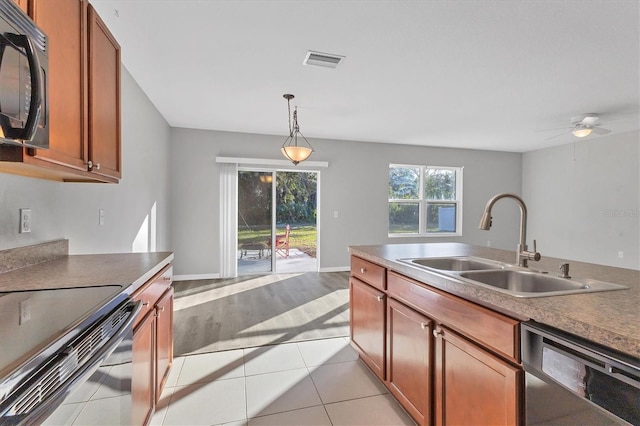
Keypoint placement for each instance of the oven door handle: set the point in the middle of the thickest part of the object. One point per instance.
(42, 411)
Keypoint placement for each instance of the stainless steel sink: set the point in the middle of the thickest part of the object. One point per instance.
(457, 264)
(521, 283)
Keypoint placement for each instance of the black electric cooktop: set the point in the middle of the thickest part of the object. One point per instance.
(37, 323)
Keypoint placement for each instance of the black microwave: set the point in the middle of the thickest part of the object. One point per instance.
(24, 115)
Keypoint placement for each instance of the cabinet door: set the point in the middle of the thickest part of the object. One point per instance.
(104, 98)
(164, 340)
(472, 386)
(409, 354)
(142, 380)
(367, 312)
(64, 22)
(23, 4)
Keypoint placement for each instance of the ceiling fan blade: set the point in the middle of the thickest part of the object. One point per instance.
(555, 128)
(600, 130)
(558, 135)
(590, 120)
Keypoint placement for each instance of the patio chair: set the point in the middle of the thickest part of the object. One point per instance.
(282, 243)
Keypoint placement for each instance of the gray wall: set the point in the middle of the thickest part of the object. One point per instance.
(70, 210)
(355, 184)
(583, 199)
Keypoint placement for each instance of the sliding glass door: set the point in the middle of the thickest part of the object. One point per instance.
(277, 221)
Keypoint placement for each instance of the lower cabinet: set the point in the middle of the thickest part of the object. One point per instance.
(446, 360)
(367, 322)
(467, 376)
(164, 340)
(152, 345)
(409, 354)
(142, 376)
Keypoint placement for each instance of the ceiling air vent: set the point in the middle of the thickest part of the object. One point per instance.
(327, 60)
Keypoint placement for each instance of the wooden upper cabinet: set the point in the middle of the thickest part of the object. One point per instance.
(64, 22)
(23, 4)
(104, 99)
(83, 98)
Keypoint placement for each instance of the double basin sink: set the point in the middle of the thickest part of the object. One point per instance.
(509, 279)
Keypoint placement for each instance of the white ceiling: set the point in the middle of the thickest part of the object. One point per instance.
(470, 74)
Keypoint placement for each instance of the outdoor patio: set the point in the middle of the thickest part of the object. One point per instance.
(259, 262)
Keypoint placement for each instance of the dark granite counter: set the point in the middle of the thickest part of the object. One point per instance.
(609, 318)
(129, 270)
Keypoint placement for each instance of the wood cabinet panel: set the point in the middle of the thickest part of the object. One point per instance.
(142, 389)
(409, 355)
(64, 22)
(367, 315)
(23, 4)
(104, 98)
(164, 340)
(151, 291)
(83, 98)
(472, 386)
(368, 272)
(489, 328)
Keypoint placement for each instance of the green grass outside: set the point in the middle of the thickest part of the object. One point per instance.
(301, 237)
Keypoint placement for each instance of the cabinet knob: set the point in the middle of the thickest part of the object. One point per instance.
(363, 270)
(145, 304)
(160, 308)
(437, 333)
(379, 298)
(423, 325)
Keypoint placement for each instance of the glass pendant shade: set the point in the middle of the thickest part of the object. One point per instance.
(296, 153)
(581, 132)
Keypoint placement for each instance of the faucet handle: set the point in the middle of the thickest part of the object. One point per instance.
(532, 255)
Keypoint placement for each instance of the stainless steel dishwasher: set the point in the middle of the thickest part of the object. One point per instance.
(571, 381)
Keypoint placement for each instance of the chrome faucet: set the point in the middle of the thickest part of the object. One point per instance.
(522, 254)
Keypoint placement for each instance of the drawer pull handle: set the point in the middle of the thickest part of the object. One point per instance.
(423, 325)
(145, 304)
(160, 308)
(437, 333)
(379, 298)
(363, 270)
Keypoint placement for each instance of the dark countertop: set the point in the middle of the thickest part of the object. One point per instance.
(126, 269)
(609, 318)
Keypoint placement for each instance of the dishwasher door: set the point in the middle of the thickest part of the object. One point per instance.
(570, 381)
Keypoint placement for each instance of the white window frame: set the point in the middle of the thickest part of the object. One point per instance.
(423, 203)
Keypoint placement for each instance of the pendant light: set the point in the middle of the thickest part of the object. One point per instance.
(290, 148)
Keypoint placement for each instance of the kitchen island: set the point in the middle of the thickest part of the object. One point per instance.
(611, 318)
(440, 343)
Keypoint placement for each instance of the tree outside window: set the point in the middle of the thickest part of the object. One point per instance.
(425, 200)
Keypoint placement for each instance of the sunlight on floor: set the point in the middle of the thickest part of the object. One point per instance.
(228, 289)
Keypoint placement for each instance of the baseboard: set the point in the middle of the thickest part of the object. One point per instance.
(195, 277)
(336, 269)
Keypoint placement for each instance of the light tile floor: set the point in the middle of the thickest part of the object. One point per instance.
(318, 382)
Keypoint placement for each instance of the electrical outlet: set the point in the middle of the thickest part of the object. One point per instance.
(101, 217)
(488, 243)
(621, 254)
(25, 221)
(335, 213)
(25, 311)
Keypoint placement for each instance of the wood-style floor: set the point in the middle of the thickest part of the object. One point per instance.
(215, 315)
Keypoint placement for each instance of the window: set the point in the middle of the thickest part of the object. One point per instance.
(425, 200)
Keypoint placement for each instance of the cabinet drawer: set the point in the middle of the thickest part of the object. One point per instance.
(369, 272)
(150, 293)
(488, 328)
